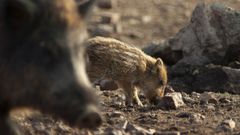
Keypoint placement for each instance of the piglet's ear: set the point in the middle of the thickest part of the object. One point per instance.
(84, 6)
(159, 62)
(157, 65)
(19, 13)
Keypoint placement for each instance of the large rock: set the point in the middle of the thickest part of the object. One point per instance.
(209, 34)
(172, 100)
(205, 78)
(163, 50)
(212, 37)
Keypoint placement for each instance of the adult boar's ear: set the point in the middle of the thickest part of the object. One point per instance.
(84, 6)
(158, 64)
(19, 14)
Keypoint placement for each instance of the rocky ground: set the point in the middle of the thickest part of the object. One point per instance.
(142, 23)
(206, 113)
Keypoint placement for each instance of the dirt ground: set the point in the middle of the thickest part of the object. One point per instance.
(143, 22)
(149, 21)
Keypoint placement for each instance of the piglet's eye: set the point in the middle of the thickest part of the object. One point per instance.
(160, 82)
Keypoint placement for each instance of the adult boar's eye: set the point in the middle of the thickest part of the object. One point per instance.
(19, 14)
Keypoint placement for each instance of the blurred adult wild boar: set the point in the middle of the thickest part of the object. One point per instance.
(42, 64)
(128, 66)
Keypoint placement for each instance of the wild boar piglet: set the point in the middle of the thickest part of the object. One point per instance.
(128, 66)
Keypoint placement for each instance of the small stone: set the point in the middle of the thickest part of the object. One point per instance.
(124, 125)
(220, 112)
(195, 72)
(184, 94)
(97, 87)
(118, 101)
(117, 28)
(39, 126)
(234, 64)
(169, 89)
(133, 21)
(184, 115)
(197, 118)
(134, 129)
(106, 93)
(224, 100)
(108, 85)
(85, 132)
(213, 101)
(194, 117)
(187, 98)
(110, 18)
(63, 127)
(130, 127)
(167, 133)
(101, 30)
(116, 114)
(229, 108)
(146, 19)
(105, 4)
(195, 94)
(208, 97)
(135, 34)
(210, 107)
(111, 131)
(172, 101)
(227, 125)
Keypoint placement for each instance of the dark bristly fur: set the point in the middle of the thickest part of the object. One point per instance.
(41, 62)
(127, 65)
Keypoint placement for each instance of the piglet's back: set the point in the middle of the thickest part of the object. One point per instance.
(114, 58)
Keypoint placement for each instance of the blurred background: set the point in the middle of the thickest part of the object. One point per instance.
(141, 22)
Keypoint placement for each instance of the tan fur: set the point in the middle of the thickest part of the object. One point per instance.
(128, 66)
